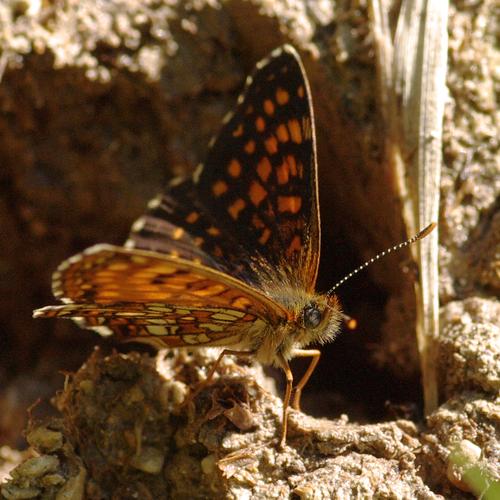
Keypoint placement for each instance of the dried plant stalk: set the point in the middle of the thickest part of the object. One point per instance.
(412, 71)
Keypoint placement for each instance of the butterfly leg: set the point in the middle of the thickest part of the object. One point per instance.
(286, 400)
(212, 371)
(304, 353)
(225, 352)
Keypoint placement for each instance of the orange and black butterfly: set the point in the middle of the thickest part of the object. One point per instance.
(229, 256)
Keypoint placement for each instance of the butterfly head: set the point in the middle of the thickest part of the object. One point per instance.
(318, 320)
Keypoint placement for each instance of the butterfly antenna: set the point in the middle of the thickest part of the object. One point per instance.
(421, 234)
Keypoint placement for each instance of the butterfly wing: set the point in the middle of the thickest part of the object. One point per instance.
(161, 325)
(107, 274)
(144, 294)
(253, 206)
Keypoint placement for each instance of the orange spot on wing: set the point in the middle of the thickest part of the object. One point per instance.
(300, 91)
(192, 217)
(210, 290)
(119, 266)
(271, 144)
(177, 233)
(102, 276)
(257, 222)
(198, 241)
(257, 193)
(217, 251)
(269, 107)
(290, 159)
(219, 188)
(282, 133)
(241, 303)
(136, 259)
(283, 173)
(238, 131)
(264, 237)
(282, 96)
(296, 244)
(213, 231)
(260, 124)
(234, 168)
(290, 204)
(250, 147)
(295, 131)
(108, 294)
(264, 168)
(235, 209)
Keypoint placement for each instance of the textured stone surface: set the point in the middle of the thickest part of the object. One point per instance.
(136, 438)
(470, 347)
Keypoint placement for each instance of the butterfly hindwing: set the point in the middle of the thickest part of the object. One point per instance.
(254, 201)
(160, 324)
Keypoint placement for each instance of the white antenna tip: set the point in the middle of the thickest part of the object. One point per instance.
(427, 230)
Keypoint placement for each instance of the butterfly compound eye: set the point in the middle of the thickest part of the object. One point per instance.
(311, 315)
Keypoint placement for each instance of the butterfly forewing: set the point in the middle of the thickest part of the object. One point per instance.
(253, 204)
(106, 274)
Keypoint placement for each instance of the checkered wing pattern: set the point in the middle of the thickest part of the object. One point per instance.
(253, 205)
(130, 292)
(160, 325)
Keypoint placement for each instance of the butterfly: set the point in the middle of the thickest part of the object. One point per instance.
(228, 256)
